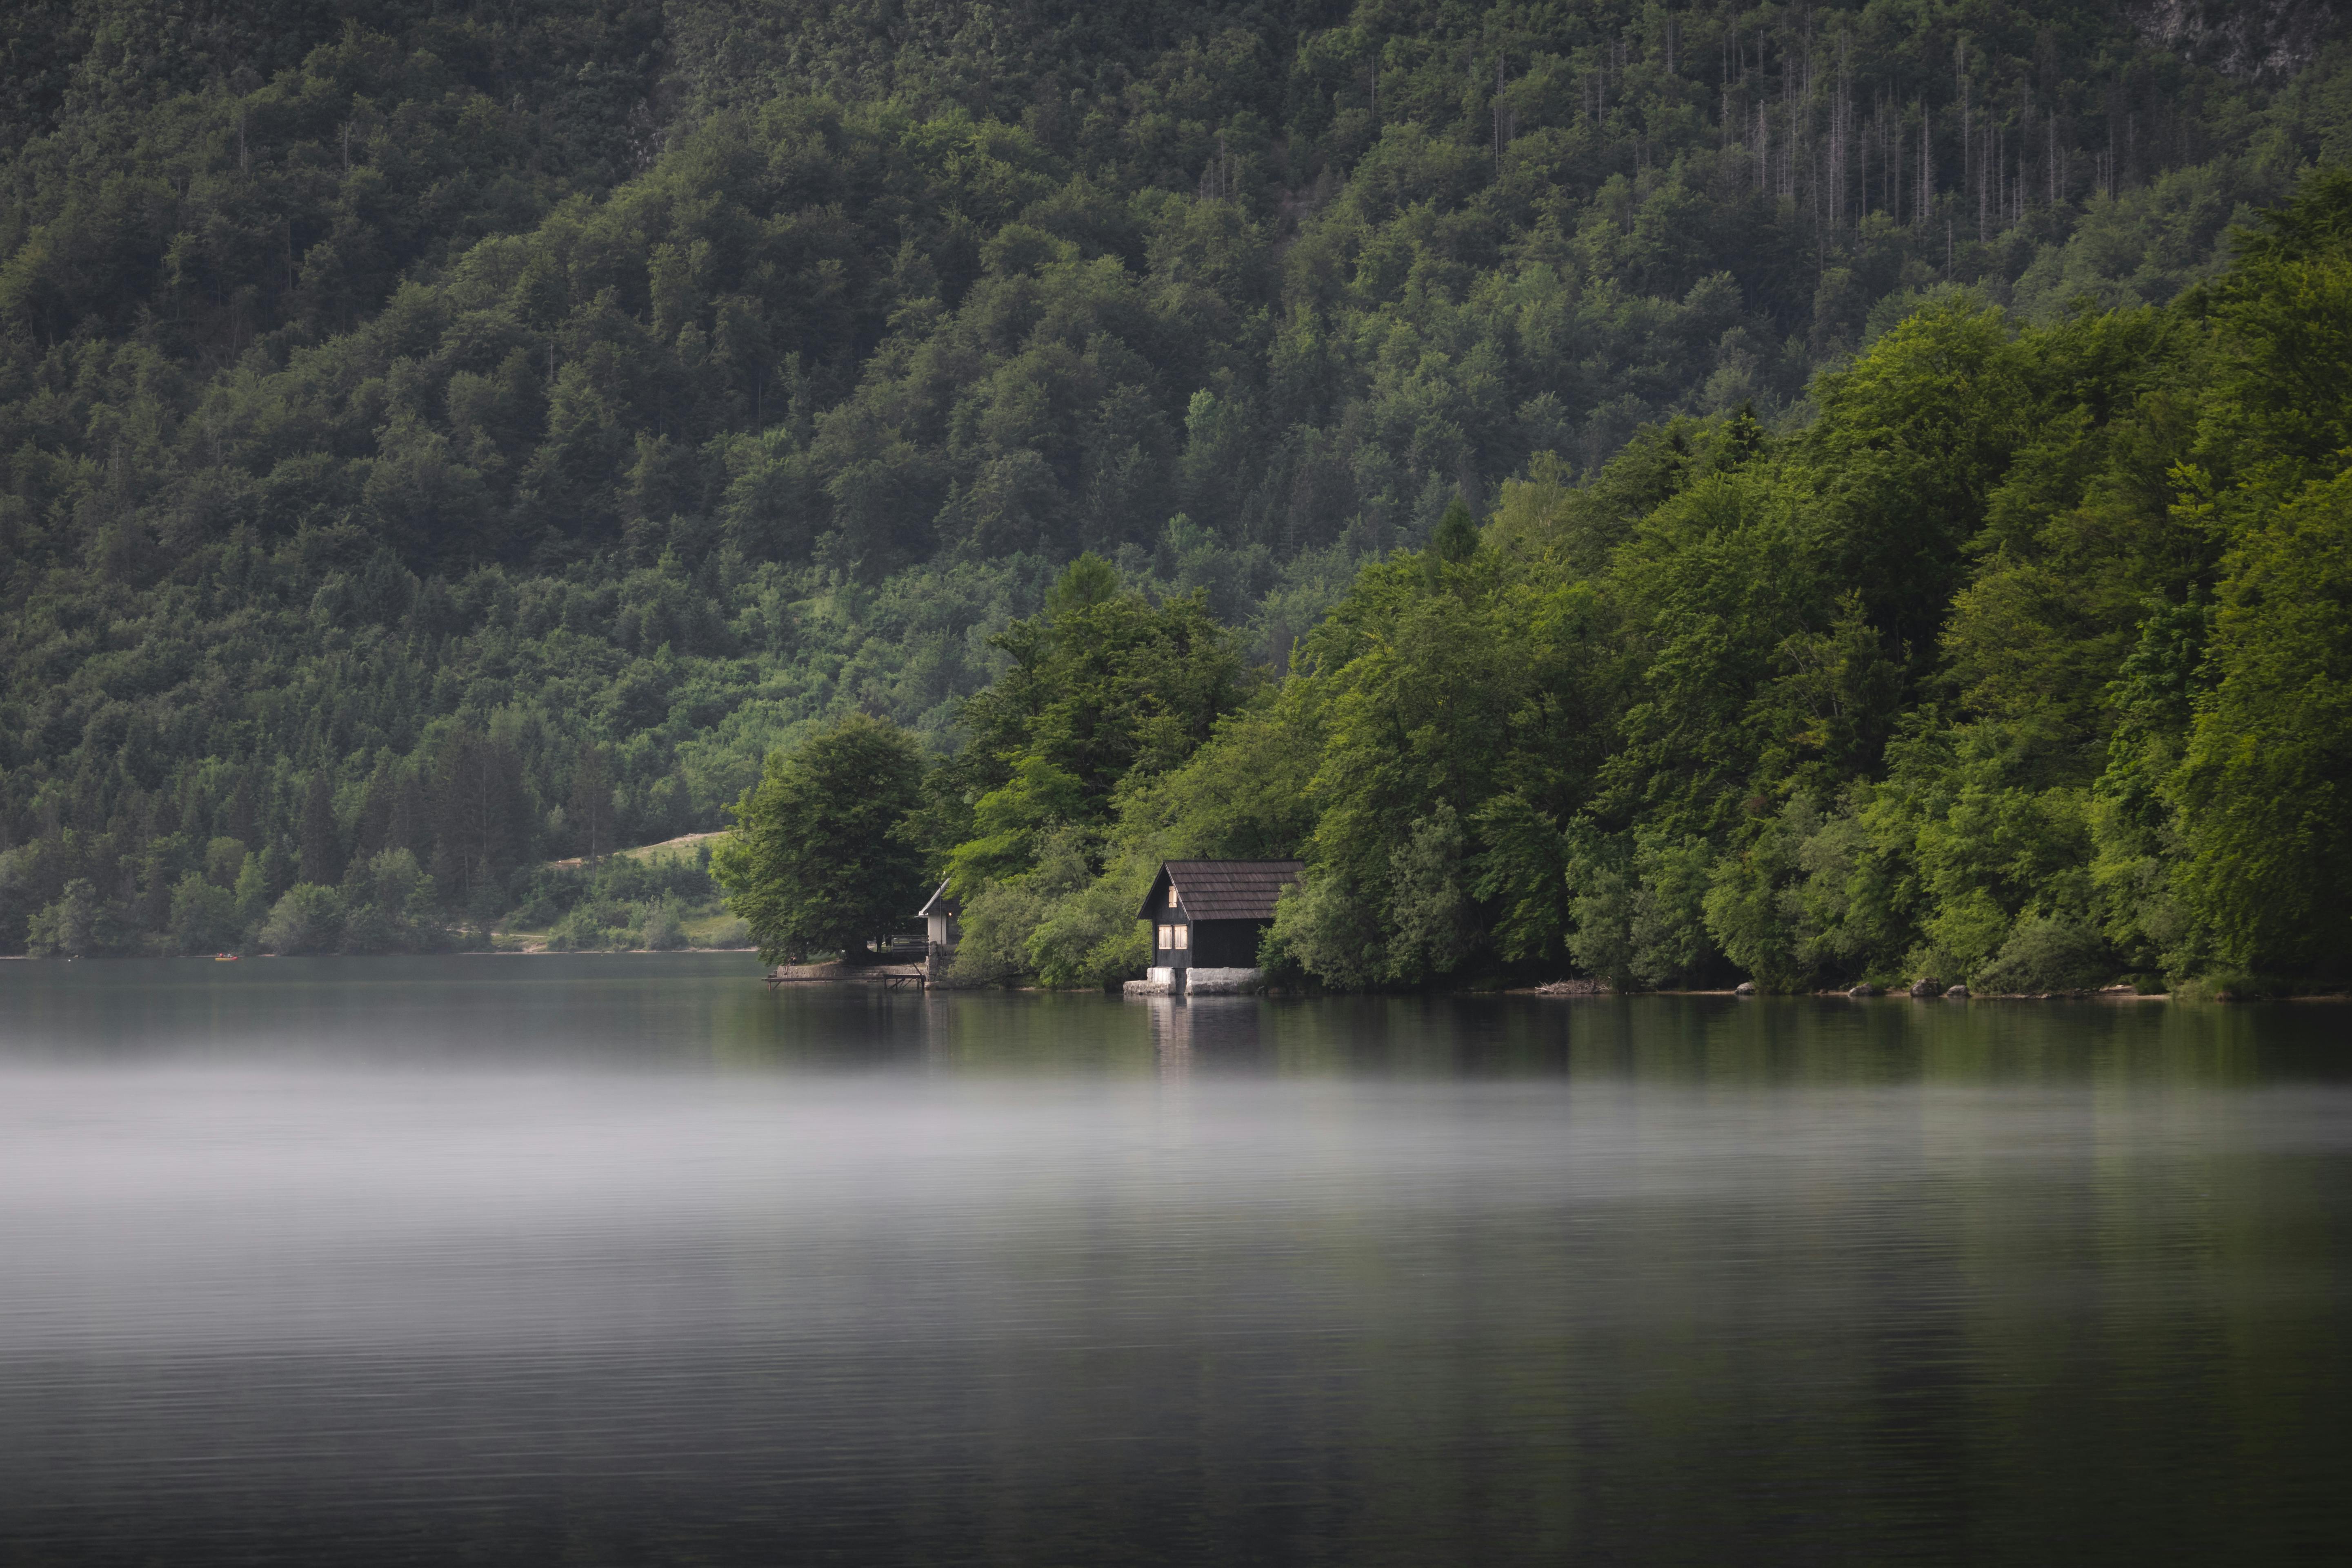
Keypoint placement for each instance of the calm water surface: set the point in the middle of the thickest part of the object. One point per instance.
(624, 1261)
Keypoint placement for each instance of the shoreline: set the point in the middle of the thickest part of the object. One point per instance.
(461, 952)
(2117, 996)
(1570, 991)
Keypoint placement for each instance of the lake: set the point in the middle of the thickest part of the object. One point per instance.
(624, 1261)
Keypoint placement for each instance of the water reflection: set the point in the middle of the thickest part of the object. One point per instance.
(611, 1260)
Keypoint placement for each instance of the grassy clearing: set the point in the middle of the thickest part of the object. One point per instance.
(708, 929)
(718, 929)
(683, 848)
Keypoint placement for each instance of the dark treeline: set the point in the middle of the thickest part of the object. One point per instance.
(465, 432)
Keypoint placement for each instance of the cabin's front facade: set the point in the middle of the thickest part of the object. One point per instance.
(1207, 919)
(943, 919)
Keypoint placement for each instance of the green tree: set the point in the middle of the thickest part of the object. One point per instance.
(590, 809)
(482, 805)
(2265, 787)
(204, 916)
(322, 843)
(819, 858)
(70, 927)
(1107, 691)
(307, 919)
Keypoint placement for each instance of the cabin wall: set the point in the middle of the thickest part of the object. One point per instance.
(1170, 957)
(1211, 944)
(1226, 944)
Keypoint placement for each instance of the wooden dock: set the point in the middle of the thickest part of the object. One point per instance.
(899, 968)
(847, 974)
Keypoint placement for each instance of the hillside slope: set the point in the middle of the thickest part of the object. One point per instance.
(552, 407)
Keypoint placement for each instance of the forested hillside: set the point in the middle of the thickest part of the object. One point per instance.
(438, 436)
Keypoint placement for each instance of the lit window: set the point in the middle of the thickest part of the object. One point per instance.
(1166, 941)
(1174, 898)
(1183, 937)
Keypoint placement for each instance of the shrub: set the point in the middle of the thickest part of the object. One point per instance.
(660, 927)
(307, 919)
(1321, 926)
(590, 928)
(1091, 937)
(731, 933)
(2045, 954)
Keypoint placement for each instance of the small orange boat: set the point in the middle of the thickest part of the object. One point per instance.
(223, 958)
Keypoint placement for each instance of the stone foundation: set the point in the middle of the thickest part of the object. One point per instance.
(1197, 981)
(1223, 981)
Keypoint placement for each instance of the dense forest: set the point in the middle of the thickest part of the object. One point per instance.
(1670, 490)
(2025, 662)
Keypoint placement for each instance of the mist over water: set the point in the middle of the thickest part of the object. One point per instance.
(625, 1260)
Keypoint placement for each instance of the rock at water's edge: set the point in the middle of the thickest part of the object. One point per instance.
(1161, 981)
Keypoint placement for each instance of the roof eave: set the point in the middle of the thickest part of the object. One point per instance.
(1143, 910)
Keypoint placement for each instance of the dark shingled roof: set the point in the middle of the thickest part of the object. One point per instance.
(940, 904)
(1226, 889)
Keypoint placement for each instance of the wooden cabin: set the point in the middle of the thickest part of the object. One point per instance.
(1210, 914)
(940, 919)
